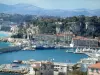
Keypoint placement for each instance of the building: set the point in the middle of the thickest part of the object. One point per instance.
(45, 39)
(60, 67)
(59, 27)
(94, 69)
(65, 37)
(42, 68)
(14, 29)
(8, 26)
(31, 31)
(48, 67)
(84, 42)
(84, 63)
(5, 28)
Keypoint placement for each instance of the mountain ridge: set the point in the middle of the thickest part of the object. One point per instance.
(34, 10)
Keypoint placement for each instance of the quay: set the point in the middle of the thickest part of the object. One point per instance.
(12, 68)
(17, 44)
(57, 66)
(28, 67)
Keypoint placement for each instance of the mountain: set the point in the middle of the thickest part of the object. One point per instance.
(34, 10)
(5, 8)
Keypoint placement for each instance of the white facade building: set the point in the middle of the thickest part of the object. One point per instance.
(84, 42)
(87, 62)
(14, 29)
(60, 67)
(42, 68)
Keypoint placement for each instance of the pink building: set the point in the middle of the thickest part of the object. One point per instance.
(94, 69)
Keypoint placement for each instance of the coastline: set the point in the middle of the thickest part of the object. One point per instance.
(5, 32)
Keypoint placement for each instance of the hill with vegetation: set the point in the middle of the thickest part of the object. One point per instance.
(79, 25)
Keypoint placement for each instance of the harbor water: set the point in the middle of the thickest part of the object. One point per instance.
(4, 44)
(3, 34)
(59, 55)
(9, 74)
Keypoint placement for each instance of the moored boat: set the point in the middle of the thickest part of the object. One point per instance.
(17, 61)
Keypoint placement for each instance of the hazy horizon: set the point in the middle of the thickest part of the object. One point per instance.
(55, 4)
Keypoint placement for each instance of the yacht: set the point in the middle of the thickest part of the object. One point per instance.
(78, 51)
(28, 48)
(17, 61)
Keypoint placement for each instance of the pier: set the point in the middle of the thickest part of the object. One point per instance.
(10, 49)
(17, 44)
(12, 68)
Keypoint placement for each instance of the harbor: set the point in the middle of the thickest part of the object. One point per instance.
(27, 67)
(25, 49)
(49, 37)
(57, 54)
(13, 68)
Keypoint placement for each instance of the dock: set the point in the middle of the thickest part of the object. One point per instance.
(11, 68)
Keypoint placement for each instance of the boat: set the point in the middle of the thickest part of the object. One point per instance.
(17, 61)
(78, 51)
(63, 46)
(28, 48)
(32, 60)
(14, 65)
(70, 51)
(43, 47)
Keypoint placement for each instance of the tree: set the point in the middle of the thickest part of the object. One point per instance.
(35, 69)
(61, 73)
(82, 24)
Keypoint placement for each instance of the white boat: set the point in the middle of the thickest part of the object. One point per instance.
(78, 51)
(70, 51)
(17, 61)
(28, 48)
(32, 60)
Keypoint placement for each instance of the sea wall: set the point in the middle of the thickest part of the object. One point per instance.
(10, 49)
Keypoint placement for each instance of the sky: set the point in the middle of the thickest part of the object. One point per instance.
(58, 4)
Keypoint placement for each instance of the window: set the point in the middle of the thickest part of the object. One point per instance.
(97, 70)
(41, 73)
(92, 69)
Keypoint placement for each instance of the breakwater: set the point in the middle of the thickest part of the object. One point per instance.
(10, 49)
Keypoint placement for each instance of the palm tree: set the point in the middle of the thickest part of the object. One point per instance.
(35, 69)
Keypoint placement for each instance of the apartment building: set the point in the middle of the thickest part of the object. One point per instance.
(42, 68)
(94, 69)
(84, 42)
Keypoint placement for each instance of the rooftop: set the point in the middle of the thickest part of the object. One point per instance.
(83, 38)
(97, 65)
(65, 34)
(37, 64)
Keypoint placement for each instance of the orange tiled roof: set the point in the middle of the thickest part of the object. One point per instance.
(64, 34)
(79, 37)
(36, 65)
(97, 65)
(82, 38)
